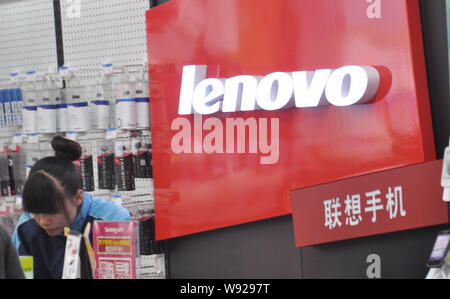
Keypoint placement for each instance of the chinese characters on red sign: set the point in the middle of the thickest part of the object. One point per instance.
(393, 200)
(355, 211)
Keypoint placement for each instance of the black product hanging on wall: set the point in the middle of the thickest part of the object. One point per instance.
(105, 165)
(124, 168)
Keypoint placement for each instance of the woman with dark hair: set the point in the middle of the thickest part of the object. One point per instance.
(53, 200)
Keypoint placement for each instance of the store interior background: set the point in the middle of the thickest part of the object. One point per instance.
(266, 249)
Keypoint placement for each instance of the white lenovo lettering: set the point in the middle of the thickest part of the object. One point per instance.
(342, 87)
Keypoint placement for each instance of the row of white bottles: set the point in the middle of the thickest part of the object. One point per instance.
(132, 103)
(48, 108)
(41, 96)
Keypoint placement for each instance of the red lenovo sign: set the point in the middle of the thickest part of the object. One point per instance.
(393, 200)
(222, 73)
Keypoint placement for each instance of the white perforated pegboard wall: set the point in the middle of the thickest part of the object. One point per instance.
(27, 37)
(96, 30)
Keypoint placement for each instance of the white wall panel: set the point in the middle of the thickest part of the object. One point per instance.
(27, 37)
(95, 30)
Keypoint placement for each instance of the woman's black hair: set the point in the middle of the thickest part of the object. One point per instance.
(53, 179)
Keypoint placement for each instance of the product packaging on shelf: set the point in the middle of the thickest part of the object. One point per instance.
(86, 168)
(149, 245)
(16, 169)
(105, 165)
(101, 95)
(16, 100)
(125, 109)
(142, 99)
(142, 157)
(2, 112)
(6, 103)
(46, 105)
(14, 107)
(19, 106)
(30, 104)
(78, 108)
(124, 170)
(4, 173)
(62, 116)
(32, 155)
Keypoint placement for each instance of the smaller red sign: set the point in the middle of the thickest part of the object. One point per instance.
(114, 246)
(388, 201)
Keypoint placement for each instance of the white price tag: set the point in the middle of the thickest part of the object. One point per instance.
(71, 135)
(108, 69)
(111, 134)
(17, 138)
(33, 138)
(18, 204)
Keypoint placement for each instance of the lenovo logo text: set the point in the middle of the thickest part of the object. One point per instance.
(342, 87)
